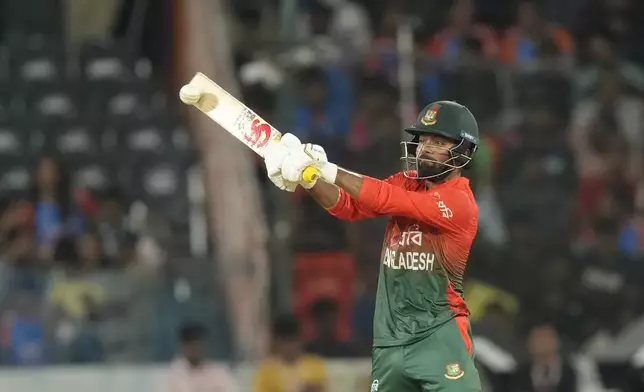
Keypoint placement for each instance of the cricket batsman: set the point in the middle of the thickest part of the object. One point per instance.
(422, 338)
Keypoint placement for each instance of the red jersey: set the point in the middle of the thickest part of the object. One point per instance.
(424, 252)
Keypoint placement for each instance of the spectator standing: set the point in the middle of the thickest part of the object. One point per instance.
(450, 43)
(547, 370)
(520, 45)
(55, 213)
(324, 314)
(289, 369)
(116, 239)
(192, 372)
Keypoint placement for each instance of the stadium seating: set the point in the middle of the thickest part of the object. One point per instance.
(101, 110)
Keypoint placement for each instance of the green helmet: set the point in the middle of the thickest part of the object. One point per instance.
(448, 120)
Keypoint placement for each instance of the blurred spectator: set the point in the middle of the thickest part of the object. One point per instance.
(380, 155)
(247, 35)
(321, 47)
(537, 171)
(463, 51)
(288, 368)
(16, 217)
(547, 84)
(261, 97)
(382, 58)
(326, 343)
(459, 36)
(606, 135)
(349, 26)
(499, 325)
(320, 116)
(481, 174)
(547, 369)
(55, 212)
(621, 19)
(604, 59)
(18, 258)
(116, 239)
(365, 305)
(90, 253)
(632, 232)
(76, 299)
(191, 371)
(24, 332)
(73, 292)
(376, 98)
(469, 82)
(521, 42)
(606, 278)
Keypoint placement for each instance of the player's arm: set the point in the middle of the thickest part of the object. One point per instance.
(445, 210)
(358, 196)
(339, 203)
(327, 195)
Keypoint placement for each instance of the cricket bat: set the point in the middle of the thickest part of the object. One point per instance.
(239, 120)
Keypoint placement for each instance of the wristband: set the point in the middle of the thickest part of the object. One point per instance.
(328, 172)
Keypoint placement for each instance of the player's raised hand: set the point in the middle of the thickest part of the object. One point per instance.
(306, 155)
(274, 158)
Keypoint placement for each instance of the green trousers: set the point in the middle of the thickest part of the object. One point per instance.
(441, 362)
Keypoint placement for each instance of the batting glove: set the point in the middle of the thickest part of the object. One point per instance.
(274, 158)
(307, 155)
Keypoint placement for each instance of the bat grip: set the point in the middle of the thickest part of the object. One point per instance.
(310, 174)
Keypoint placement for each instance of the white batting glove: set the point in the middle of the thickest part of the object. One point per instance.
(299, 159)
(274, 158)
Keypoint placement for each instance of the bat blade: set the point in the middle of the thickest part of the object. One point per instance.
(235, 117)
(239, 120)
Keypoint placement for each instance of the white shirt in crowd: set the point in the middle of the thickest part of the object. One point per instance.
(208, 377)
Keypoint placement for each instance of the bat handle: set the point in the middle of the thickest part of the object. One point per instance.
(310, 174)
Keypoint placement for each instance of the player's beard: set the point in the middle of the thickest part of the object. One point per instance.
(431, 169)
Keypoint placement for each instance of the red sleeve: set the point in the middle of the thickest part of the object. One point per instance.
(447, 209)
(347, 208)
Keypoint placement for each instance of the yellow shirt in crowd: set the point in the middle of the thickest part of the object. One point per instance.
(72, 296)
(274, 375)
